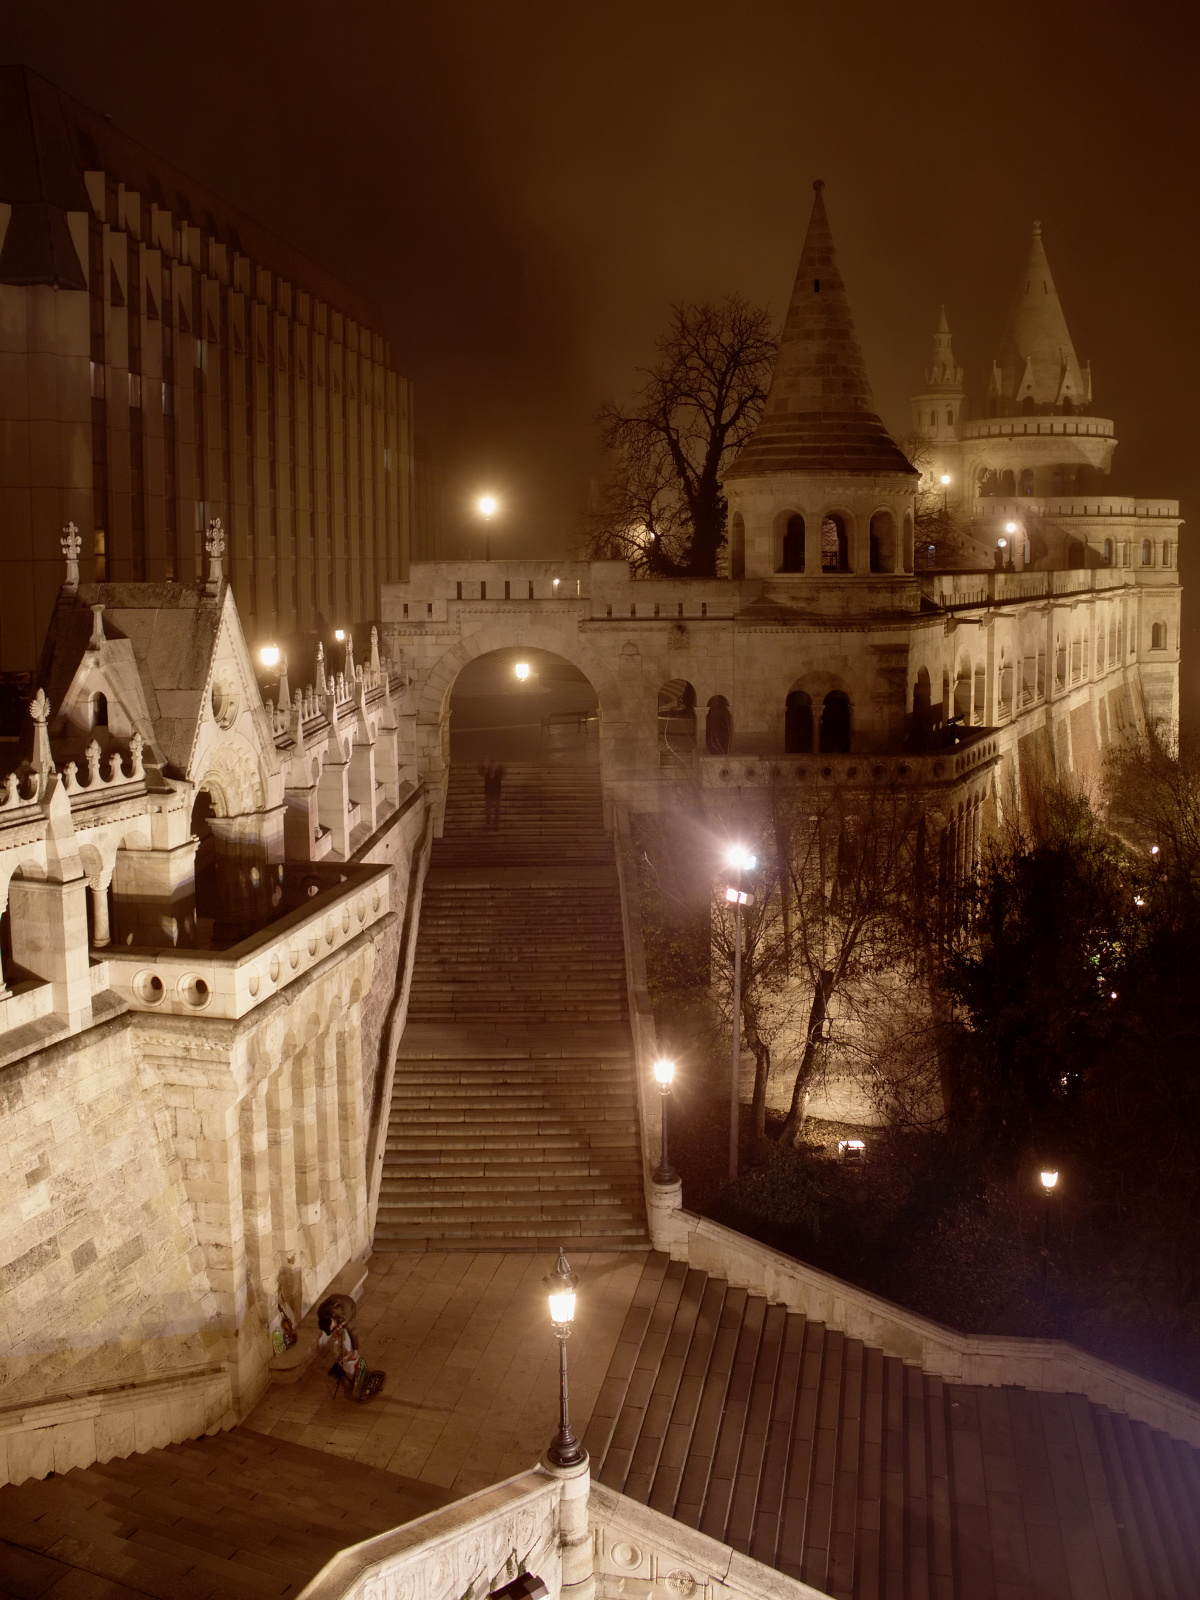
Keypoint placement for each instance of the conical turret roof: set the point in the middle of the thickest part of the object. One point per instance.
(945, 373)
(820, 414)
(1037, 360)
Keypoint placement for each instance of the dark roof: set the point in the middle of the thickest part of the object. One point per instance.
(49, 140)
(820, 414)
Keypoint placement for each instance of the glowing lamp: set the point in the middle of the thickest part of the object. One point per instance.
(945, 479)
(739, 897)
(1002, 544)
(1049, 1179)
(487, 505)
(339, 634)
(852, 1150)
(522, 670)
(1010, 527)
(740, 858)
(269, 655)
(1153, 849)
(560, 1286)
(664, 1072)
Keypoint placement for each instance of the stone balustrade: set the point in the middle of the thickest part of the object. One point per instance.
(913, 769)
(1032, 427)
(988, 588)
(1073, 506)
(124, 769)
(231, 983)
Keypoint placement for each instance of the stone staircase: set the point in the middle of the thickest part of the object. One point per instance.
(865, 1477)
(240, 1514)
(513, 1118)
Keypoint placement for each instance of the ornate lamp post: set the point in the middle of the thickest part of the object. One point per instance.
(1049, 1179)
(664, 1073)
(741, 861)
(565, 1449)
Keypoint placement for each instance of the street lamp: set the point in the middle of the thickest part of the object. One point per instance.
(565, 1449)
(269, 655)
(664, 1072)
(1049, 1179)
(741, 861)
(945, 488)
(522, 671)
(488, 506)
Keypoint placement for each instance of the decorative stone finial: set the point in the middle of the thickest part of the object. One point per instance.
(818, 184)
(285, 690)
(322, 687)
(97, 638)
(136, 745)
(349, 656)
(71, 544)
(214, 543)
(374, 648)
(43, 761)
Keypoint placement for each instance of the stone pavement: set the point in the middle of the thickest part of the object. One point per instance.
(472, 1389)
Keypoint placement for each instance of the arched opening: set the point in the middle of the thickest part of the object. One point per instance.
(523, 704)
(835, 550)
(1147, 553)
(1108, 552)
(1027, 406)
(793, 545)
(203, 811)
(835, 723)
(962, 693)
(676, 723)
(1100, 648)
(798, 724)
(980, 692)
(949, 417)
(718, 726)
(1076, 555)
(1158, 636)
(99, 710)
(883, 542)
(1008, 483)
(1005, 684)
(737, 547)
(1166, 553)
(1026, 484)
(908, 542)
(922, 710)
(1060, 662)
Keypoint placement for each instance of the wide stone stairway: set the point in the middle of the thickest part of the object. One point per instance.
(239, 1514)
(867, 1478)
(513, 1118)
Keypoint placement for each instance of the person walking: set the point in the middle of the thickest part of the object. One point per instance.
(493, 780)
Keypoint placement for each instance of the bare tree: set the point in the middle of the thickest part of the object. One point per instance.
(664, 510)
(935, 523)
(853, 862)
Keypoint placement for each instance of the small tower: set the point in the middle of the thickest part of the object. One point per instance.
(938, 410)
(820, 492)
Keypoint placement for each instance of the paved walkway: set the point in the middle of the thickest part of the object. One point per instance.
(472, 1389)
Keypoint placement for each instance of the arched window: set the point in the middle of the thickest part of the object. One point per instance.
(793, 545)
(1158, 636)
(922, 712)
(1062, 481)
(1027, 481)
(718, 726)
(980, 692)
(1008, 483)
(737, 547)
(99, 710)
(676, 723)
(1147, 553)
(883, 542)
(798, 724)
(949, 417)
(933, 419)
(1108, 552)
(1076, 558)
(835, 722)
(1027, 406)
(1166, 553)
(835, 554)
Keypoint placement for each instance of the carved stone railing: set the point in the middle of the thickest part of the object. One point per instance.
(124, 768)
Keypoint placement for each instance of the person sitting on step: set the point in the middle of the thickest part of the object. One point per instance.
(335, 1318)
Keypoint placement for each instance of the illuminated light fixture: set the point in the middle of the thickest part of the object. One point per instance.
(1049, 1179)
(1153, 849)
(664, 1073)
(1138, 901)
(738, 897)
(741, 859)
(1010, 527)
(487, 505)
(565, 1449)
(522, 670)
(269, 655)
(556, 583)
(1112, 995)
(852, 1150)
(945, 479)
(1002, 544)
(339, 634)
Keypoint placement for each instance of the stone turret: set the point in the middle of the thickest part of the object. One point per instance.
(820, 488)
(938, 409)
(1037, 371)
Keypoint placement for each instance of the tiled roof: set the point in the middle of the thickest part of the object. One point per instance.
(820, 414)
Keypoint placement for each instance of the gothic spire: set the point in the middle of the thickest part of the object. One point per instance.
(1037, 368)
(820, 415)
(945, 373)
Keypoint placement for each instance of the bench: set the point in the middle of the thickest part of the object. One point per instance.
(294, 1363)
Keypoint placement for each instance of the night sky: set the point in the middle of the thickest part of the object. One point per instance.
(526, 190)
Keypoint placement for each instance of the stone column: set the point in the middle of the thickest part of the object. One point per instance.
(352, 1128)
(574, 1529)
(256, 1196)
(308, 1175)
(101, 930)
(281, 1166)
